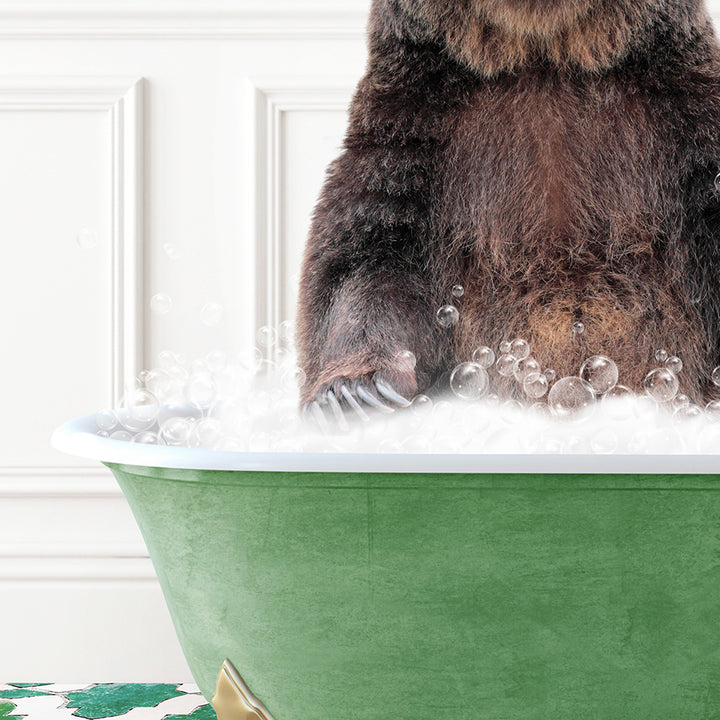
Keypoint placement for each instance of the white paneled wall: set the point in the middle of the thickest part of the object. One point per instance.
(163, 146)
(146, 146)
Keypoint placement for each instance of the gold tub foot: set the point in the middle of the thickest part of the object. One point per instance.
(233, 700)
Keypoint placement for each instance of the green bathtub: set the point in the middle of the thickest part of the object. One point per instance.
(417, 587)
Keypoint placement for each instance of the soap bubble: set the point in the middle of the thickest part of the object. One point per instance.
(689, 412)
(185, 410)
(405, 360)
(201, 389)
(679, 401)
(212, 314)
(200, 365)
(645, 408)
(550, 375)
(506, 365)
(162, 385)
(616, 402)
(448, 316)
(287, 332)
(519, 348)
(709, 439)
(140, 410)
(571, 397)
(578, 328)
(206, 433)
(161, 304)
(458, 291)
(600, 373)
(527, 369)
(484, 357)
(712, 410)
(145, 438)
(216, 361)
(575, 445)
(505, 347)
(604, 441)
(469, 381)
(86, 239)
(661, 355)
(266, 337)
(106, 419)
(258, 401)
(674, 364)
(167, 359)
(171, 251)
(539, 410)
(510, 411)
(293, 379)
(716, 376)
(536, 387)
(175, 431)
(661, 385)
(122, 435)
(717, 182)
(421, 404)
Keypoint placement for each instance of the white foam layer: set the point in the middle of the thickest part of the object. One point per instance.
(79, 437)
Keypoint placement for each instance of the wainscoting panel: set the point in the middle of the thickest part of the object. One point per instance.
(162, 146)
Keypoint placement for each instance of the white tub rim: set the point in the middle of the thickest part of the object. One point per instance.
(79, 437)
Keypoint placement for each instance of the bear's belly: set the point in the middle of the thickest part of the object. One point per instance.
(560, 208)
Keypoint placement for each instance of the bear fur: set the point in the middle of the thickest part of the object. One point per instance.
(557, 159)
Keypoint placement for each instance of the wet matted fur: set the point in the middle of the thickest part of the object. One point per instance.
(554, 157)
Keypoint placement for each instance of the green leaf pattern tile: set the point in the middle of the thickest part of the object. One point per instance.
(131, 701)
(103, 701)
(19, 693)
(6, 708)
(205, 712)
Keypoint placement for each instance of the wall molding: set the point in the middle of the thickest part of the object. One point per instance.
(96, 567)
(122, 100)
(57, 482)
(267, 100)
(184, 18)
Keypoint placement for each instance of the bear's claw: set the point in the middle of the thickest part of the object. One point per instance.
(329, 407)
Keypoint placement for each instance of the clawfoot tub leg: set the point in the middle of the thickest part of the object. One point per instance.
(233, 699)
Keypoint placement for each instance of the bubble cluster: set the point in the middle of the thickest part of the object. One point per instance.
(245, 402)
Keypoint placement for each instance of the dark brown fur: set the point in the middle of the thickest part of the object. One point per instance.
(555, 158)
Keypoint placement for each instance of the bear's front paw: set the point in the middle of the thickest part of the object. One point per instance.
(383, 391)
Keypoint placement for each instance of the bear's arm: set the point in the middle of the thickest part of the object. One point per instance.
(368, 289)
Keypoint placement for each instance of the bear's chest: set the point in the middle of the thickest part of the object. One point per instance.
(537, 159)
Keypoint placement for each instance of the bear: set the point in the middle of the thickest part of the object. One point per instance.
(555, 158)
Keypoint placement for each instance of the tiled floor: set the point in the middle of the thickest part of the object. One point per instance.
(52, 701)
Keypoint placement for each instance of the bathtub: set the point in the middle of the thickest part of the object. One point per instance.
(357, 587)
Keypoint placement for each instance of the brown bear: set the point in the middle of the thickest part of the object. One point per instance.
(556, 158)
